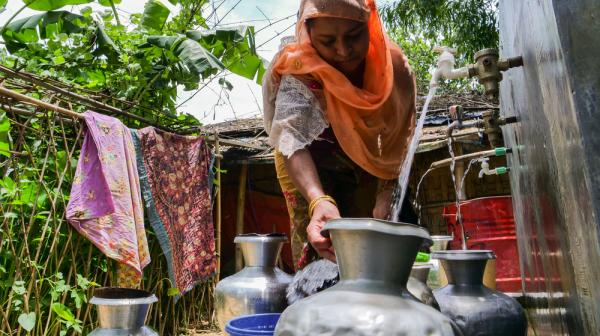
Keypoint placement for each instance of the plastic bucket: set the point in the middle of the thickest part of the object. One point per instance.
(253, 325)
(489, 225)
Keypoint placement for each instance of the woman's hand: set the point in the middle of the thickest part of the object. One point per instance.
(383, 203)
(323, 212)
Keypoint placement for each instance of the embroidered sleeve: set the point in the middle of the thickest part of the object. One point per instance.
(299, 117)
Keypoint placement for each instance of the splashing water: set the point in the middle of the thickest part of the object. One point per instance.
(458, 217)
(462, 181)
(416, 203)
(400, 191)
(421, 181)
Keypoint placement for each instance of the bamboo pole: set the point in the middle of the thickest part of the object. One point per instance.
(24, 98)
(239, 221)
(30, 100)
(218, 205)
(83, 99)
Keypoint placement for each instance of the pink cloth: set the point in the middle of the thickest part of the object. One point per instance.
(106, 204)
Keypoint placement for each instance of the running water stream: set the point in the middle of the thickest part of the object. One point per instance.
(402, 186)
(457, 192)
(400, 191)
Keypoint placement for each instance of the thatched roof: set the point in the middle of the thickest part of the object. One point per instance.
(251, 131)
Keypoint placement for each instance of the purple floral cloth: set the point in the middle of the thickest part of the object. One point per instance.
(105, 204)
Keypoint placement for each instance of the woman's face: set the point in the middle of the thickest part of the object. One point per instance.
(340, 42)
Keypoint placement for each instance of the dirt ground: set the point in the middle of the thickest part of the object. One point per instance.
(207, 333)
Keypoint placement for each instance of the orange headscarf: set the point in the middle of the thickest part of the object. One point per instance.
(373, 124)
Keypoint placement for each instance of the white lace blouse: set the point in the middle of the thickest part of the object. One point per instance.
(299, 118)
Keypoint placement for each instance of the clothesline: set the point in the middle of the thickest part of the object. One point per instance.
(30, 100)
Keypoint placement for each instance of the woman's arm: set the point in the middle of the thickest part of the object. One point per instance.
(303, 172)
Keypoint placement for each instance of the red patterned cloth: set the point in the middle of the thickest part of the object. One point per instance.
(176, 191)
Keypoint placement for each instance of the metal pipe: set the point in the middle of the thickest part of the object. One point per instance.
(471, 156)
(239, 222)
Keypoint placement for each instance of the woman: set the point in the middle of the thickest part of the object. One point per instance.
(339, 108)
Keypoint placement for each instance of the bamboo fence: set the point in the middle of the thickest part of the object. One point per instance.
(46, 267)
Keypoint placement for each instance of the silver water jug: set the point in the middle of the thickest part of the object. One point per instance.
(417, 284)
(122, 311)
(260, 287)
(437, 277)
(374, 259)
(476, 309)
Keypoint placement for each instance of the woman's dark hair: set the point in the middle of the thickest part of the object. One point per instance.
(309, 23)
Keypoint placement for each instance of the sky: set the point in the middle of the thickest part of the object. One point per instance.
(211, 104)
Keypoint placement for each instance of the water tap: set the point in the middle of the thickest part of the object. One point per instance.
(488, 68)
(491, 124)
(445, 66)
(485, 168)
(456, 114)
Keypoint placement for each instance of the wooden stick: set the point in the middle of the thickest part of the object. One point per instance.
(218, 201)
(30, 100)
(86, 100)
(21, 97)
(239, 221)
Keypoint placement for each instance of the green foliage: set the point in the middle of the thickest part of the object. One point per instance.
(132, 64)
(236, 47)
(155, 15)
(27, 321)
(32, 29)
(5, 141)
(109, 3)
(50, 5)
(420, 25)
(189, 17)
(191, 60)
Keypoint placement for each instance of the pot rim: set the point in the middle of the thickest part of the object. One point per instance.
(123, 302)
(257, 237)
(377, 225)
(422, 265)
(463, 255)
(140, 297)
(442, 238)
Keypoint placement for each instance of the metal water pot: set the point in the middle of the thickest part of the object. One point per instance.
(476, 309)
(374, 259)
(122, 311)
(437, 277)
(260, 287)
(417, 284)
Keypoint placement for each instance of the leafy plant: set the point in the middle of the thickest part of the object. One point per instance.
(50, 5)
(5, 142)
(47, 270)
(155, 15)
(27, 321)
(420, 25)
(130, 64)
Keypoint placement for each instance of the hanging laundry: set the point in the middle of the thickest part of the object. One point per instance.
(174, 174)
(105, 204)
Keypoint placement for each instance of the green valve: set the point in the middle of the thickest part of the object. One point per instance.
(422, 257)
(501, 170)
(500, 151)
